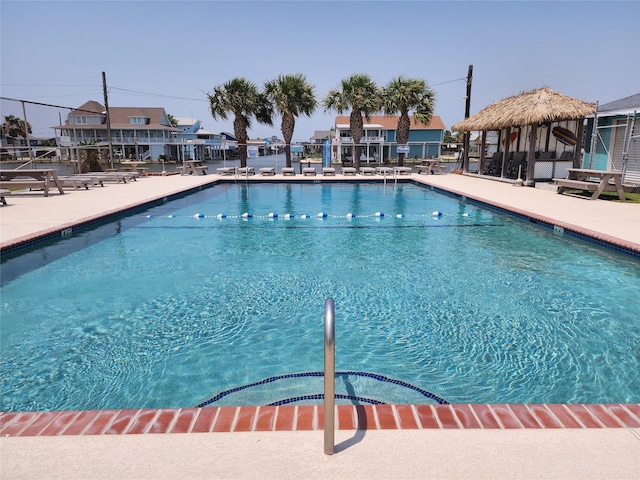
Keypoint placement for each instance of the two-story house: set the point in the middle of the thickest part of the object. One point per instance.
(379, 143)
(136, 132)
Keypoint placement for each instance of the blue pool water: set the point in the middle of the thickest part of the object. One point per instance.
(170, 307)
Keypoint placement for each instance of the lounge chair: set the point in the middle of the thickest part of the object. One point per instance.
(402, 170)
(116, 177)
(267, 171)
(367, 171)
(76, 182)
(494, 165)
(326, 171)
(246, 171)
(226, 171)
(309, 171)
(288, 171)
(4, 192)
(384, 171)
(517, 161)
(349, 171)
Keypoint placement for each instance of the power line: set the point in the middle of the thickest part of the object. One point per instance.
(43, 85)
(156, 94)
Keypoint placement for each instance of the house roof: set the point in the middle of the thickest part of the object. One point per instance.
(390, 122)
(620, 107)
(120, 117)
(536, 106)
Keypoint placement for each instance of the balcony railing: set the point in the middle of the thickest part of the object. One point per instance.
(344, 140)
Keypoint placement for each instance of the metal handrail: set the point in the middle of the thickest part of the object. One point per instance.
(329, 375)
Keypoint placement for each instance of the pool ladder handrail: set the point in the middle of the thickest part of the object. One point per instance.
(329, 375)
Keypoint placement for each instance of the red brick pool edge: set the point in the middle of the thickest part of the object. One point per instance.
(299, 418)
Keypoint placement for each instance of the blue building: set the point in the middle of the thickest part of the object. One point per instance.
(615, 142)
(193, 142)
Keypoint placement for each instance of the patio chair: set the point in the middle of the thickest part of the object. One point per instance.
(493, 165)
(309, 171)
(326, 171)
(288, 171)
(517, 161)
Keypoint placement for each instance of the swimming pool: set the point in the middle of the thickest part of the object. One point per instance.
(170, 307)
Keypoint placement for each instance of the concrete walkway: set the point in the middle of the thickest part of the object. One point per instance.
(469, 454)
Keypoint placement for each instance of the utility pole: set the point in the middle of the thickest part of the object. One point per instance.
(106, 106)
(467, 134)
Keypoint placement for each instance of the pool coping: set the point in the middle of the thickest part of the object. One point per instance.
(290, 418)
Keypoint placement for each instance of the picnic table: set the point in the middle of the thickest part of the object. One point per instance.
(133, 165)
(596, 181)
(43, 178)
(193, 166)
(430, 166)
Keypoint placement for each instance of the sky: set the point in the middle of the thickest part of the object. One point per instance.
(171, 53)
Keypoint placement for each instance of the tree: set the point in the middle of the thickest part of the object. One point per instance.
(14, 127)
(242, 99)
(90, 158)
(360, 93)
(291, 96)
(451, 138)
(172, 120)
(403, 95)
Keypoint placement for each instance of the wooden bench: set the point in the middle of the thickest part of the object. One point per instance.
(565, 183)
(4, 192)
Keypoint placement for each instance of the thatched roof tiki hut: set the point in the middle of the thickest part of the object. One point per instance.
(539, 135)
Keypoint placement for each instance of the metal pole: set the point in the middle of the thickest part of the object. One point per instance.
(329, 375)
(26, 135)
(467, 111)
(106, 107)
(594, 137)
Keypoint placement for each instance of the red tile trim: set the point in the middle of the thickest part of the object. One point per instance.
(485, 415)
(465, 416)
(505, 416)
(406, 417)
(308, 417)
(305, 416)
(427, 416)
(203, 420)
(544, 416)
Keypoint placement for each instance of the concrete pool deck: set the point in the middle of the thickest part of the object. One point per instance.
(441, 452)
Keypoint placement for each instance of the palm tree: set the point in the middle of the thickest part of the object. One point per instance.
(241, 98)
(402, 95)
(14, 127)
(360, 93)
(291, 96)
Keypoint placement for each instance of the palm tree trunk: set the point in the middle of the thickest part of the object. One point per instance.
(402, 135)
(357, 127)
(240, 131)
(288, 126)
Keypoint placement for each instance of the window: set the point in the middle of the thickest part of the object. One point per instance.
(86, 120)
(139, 120)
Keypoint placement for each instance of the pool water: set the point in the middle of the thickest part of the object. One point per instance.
(170, 307)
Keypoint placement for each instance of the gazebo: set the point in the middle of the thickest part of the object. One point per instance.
(539, 135)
